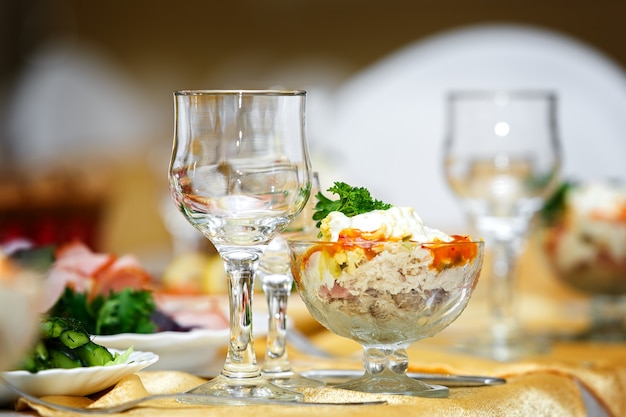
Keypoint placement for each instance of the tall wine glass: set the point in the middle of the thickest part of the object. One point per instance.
(240, 173)
(277, 281)
(502, 159)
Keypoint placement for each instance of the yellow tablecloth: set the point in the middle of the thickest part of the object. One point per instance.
(544, 386)
(548, 384)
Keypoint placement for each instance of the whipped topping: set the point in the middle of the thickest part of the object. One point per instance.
(595, 223)
(396, 223)
(598, 198)
(593, 227)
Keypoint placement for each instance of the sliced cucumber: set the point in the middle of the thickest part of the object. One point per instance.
(52, 328)
(63, 359)
(92, 354)
(73, 339)
(64, 344)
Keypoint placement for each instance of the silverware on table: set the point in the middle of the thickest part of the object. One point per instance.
(331, 376)
(198, 399)
(336, 376)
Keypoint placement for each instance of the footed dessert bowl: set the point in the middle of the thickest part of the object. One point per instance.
(585, 245)
(386, 295)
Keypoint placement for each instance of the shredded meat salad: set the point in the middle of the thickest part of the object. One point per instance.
(384, 265)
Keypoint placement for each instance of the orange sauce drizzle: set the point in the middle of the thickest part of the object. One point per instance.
(444, 255)
(619, 218)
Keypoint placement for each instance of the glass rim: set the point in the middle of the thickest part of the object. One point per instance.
(269, 92)
(524, 93)
(374, 242)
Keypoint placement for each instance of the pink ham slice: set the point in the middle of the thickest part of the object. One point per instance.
(124, 272)
(78, 267)
(77, 257)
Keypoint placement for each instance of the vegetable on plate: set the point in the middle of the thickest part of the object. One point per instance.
(63, 343)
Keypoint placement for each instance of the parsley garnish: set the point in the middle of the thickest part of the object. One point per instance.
(352, 201)
(554, 206)
(126, 311)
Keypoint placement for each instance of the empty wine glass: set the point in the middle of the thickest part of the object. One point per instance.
(502, 159)
(275, 275)
(240, 173)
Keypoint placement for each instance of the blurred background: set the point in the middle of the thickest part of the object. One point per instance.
(86, 116)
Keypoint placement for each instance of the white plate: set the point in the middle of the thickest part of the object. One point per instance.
(199, 351)
(76, 381)
(180, 351)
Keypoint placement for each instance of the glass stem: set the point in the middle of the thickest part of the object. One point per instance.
(240, 268)
(608, 317)
(277, 288)
(383, 360)
(502, 298)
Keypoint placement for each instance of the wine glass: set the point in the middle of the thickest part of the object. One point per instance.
(275, 276)
(240, 173)
(502, 159)
(386, 295)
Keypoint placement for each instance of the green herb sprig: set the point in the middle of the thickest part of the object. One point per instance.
(554, 206)
(126, 311)
(352, 201)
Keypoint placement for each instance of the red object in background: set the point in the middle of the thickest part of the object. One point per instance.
(53, 208)
(11, 231)
(46, 226)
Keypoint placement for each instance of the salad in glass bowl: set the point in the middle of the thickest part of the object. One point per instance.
(380, 277)
(584, 241)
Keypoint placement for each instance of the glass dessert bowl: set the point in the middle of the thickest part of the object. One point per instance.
(585, 245)
(386, 295)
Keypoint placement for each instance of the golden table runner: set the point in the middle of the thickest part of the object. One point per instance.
(551, 394)
(544, 385)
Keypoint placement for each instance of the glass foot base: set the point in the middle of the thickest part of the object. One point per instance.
(506, 348)
(241, 389)
(594, 334)
(292, 380)
(397, 384)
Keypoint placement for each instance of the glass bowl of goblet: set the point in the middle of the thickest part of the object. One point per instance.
(585, 245)
(386, 295)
